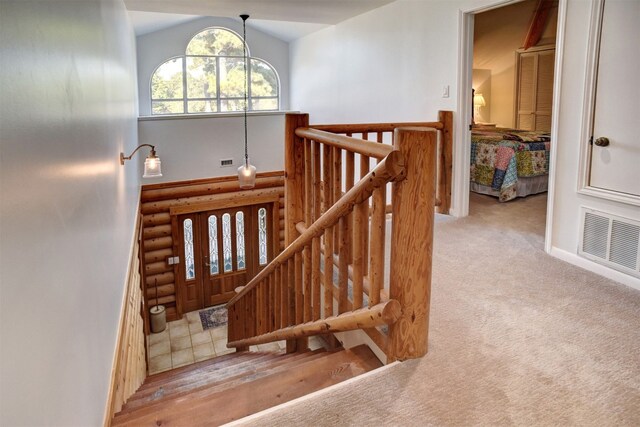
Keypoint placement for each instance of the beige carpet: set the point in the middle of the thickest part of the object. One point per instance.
(516, 338)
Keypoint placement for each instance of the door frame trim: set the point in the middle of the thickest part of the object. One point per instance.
(228, 201)
(588, 112)
(462, 147)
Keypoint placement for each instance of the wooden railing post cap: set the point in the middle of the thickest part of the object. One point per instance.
(411, 129)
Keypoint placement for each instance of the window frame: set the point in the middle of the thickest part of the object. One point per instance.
(218, 99)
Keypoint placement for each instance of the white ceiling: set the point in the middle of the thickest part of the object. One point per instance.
(285, 19)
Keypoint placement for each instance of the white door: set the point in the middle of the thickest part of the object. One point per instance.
(615, 149)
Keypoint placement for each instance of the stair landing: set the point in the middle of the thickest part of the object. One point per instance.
(227, 388)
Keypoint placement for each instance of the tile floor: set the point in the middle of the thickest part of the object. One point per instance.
(184, 342)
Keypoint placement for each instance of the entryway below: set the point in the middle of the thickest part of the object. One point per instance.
(185, 341)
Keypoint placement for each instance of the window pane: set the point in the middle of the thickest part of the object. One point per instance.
(201, 77)
(213, 245)
(190, 268)
(202, 106)
(264, 81)
(262, 236)
(227, 105)
(264, 104)
(226, 242)
(166, 82)
(231, 77)
(240, 240)
(215, 41)
(167, 107)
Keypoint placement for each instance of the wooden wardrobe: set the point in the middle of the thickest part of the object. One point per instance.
(534, 88)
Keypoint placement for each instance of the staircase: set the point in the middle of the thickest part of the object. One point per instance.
(233, 386)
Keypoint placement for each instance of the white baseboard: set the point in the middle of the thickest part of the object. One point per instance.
(594, 267)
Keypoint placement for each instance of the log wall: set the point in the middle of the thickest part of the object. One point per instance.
(156, 201)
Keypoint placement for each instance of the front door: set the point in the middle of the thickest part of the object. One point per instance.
(220, 250)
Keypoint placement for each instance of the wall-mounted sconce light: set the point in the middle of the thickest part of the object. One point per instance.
(152, 167)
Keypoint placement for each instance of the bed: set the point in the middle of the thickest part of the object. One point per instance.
(509, 163)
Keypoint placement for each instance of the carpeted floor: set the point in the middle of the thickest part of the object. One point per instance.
(516, 338)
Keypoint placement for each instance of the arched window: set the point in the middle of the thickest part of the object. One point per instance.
(209, 78)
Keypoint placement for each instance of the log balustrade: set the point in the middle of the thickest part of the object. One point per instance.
(331, 275)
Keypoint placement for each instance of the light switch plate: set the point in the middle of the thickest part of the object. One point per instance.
(445, 91)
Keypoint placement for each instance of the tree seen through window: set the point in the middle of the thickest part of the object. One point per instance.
(210, 78)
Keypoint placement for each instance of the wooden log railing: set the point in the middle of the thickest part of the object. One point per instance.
(331, 275)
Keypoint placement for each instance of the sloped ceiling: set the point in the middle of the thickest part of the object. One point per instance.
(309, 11)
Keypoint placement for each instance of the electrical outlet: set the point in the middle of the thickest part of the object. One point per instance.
(445, 91)
(225, 163)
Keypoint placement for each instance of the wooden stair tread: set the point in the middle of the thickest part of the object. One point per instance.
(239, 397)
(224, 360)
(249, 369)
(209, 369)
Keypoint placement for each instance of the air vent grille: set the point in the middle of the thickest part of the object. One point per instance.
(624, 244)
(611, 240)
(596, 234)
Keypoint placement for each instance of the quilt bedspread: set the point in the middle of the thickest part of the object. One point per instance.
(499, 156)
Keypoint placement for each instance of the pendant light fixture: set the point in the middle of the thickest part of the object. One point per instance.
(246, 172)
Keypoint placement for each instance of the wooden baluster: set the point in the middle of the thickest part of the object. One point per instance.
(315, 278)
(358, 248)
(412, 242)
(343, 265)
(315, 244)
(306, 264)
(231, 324)
(327, 172)
(364, 206)
(261, 304)
(265, 303)
(317, 179)
(250, 312)
(245, 317)
(378, 228)
(276, 298)
(308, 220)
(270, 303)
(298, 281)
(327, 198)
(337, 189)
(291, 280)
(284, 296)
(349, 180)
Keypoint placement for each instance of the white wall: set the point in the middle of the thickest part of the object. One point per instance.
(191, 147)
(157, 47)
(375, 67)
(567, 201)
(68, 208)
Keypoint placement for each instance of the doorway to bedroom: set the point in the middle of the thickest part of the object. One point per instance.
(511, 102)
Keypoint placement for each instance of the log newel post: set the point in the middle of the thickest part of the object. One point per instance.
(412, 242)
(294, 189)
